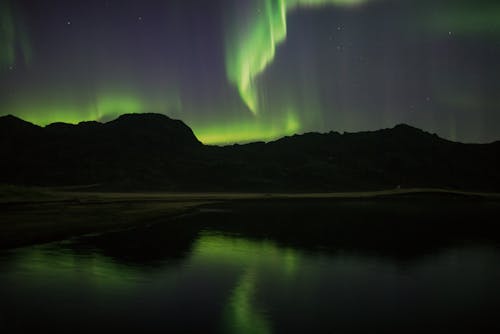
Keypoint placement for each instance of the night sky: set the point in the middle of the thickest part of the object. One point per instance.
(245, 70)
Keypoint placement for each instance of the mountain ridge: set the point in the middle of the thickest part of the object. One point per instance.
(398, 127)
(155, 152)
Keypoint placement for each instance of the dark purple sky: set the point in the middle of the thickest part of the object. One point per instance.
(254, 70)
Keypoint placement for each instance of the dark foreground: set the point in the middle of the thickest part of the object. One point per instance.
(39, 215)
(152, 151)
(408, 264)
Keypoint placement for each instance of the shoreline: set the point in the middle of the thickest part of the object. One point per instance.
(54, 195)
(57, 215)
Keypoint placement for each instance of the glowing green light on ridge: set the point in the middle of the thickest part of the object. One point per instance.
(250, 51)
(115, 106)
(102, 107)
(255, 129)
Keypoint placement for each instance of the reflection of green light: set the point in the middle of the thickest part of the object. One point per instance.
(241, 313)
(250, 49)
(96, 268)
(290, 262)
(243, 252)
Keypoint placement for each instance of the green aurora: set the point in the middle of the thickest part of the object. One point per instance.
(251, 49)
(54, 76)
(14, 43)
(108, 107)
(466, 18)
(101, 107)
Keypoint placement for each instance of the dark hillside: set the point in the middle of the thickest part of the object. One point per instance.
(154, 152)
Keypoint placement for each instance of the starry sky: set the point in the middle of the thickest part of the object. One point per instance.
(247, 70)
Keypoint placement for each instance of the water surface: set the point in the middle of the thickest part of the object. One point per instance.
(268, 267)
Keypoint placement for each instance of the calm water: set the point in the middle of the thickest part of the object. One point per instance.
(270, 267)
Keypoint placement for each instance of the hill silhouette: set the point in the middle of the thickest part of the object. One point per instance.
(155, 152)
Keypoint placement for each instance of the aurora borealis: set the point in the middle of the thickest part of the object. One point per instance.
(238, 71)
(250, 51)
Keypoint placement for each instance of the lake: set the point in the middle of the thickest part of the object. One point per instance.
(390, 265)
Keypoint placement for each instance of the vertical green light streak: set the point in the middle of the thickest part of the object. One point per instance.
(244, 317)
(251, 49)
(242, 313)
(463, 18)
(103, 107)
(13, 39)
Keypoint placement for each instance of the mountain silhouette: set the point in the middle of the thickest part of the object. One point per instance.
(155, 152)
